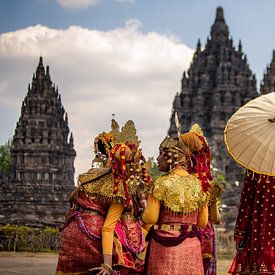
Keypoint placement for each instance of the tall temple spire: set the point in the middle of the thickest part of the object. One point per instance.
(240, 47)
(40, 71)
(198, 48)
(219, 30)
(42, 155)
(48, 73)
(218, 82)
(219, 15)
(268, 83)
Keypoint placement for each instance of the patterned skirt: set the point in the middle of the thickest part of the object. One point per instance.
(78, 252)
(81, 245)
(184, 258)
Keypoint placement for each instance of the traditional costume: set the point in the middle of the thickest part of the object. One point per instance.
(103, 219)
(255, 226)
(249, 137)
(200, 167)
(178, 207)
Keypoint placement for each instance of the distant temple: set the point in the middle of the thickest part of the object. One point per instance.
(268, 83)
(43, 154)
(217, 83)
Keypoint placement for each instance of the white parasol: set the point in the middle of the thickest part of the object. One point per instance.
(250, 135)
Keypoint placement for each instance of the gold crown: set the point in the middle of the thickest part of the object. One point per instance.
(115, 136)
(128, 133)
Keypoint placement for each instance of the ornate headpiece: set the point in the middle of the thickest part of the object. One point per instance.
(168, 143)
(126, 135)
(124, 156)
(173, 150)
(200, 158)
(105, 141)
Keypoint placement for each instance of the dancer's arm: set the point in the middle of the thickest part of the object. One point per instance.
(214, 214)
(108, 229)
(203, 217)
(151, 213)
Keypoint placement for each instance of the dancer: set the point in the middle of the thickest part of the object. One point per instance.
(203, 172)
(178, 208)
(254, 230)
(102, 233)
(249, 137)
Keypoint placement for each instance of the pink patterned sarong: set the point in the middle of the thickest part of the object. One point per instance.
(184, 258)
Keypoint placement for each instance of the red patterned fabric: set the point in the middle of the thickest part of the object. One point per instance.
(255, 226)
(81, 243)
(207, 244)
(184, 258)
(129, 245)
(208, 248)
(78, 252)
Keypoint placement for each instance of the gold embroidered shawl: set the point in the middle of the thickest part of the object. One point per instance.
(181, 194)
(99, 183)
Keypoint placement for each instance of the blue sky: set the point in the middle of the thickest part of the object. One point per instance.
(117, 56)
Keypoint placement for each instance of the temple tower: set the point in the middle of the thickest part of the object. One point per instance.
(43, 154)
(268, 82)
(217, 83)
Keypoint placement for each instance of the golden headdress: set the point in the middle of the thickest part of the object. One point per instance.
(128, 133)
(105, 141)
(168, 142)
(124, 156)
(124, 173)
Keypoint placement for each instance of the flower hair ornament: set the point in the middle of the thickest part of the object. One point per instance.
(103, 143)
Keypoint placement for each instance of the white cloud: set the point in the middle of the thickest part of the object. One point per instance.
(77, 4)
(123, 71)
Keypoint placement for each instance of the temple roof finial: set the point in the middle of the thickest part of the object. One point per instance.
(40, 61)
(219, 30)
(198, 45)
(48, 73)
(71, 141)
(240, 47)
(219, 15)
(40, 71)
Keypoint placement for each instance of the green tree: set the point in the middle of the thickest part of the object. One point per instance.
(154, 170)
(5, 157)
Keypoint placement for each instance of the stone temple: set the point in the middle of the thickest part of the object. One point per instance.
(42, 152)
(217, 83)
